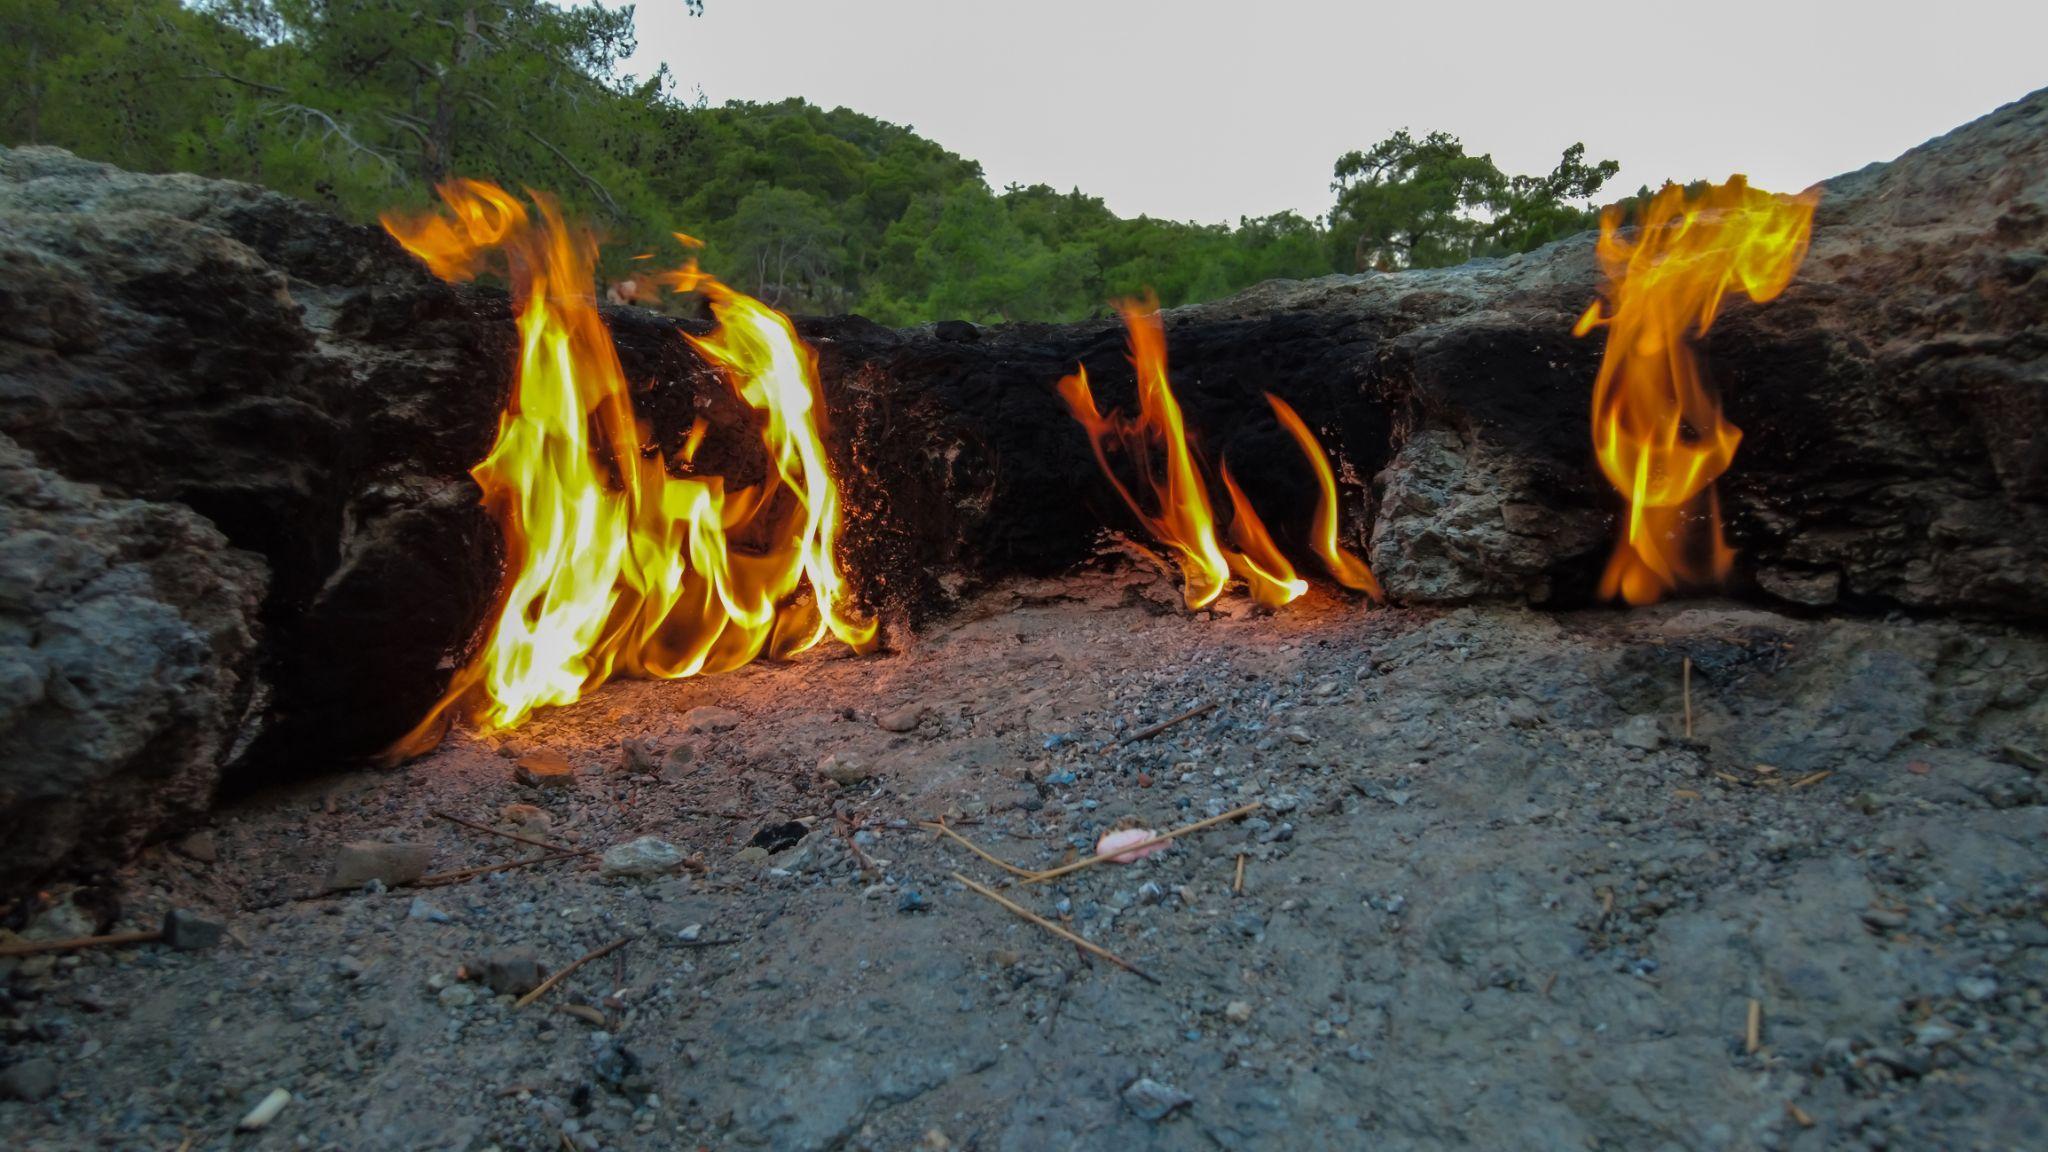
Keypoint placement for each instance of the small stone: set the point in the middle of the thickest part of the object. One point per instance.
(1282, 803)
(199, 846)
(1934, 1033)
(912, 901)
(1884, 919)
(647, 856)
(640, 757)
(456, 996)
(2031, 758)
(361, 861)
(1977, 989)
(265, 1111)
(511, 971)
(526, 816)
(1522, 713)
(681, 761)
(29, 1081)
(904, 719)
(188, 931)
(752, 854)
(1640, 732)
(1298, 735)
(544, 769)
(1148, 1099)
(711, 718)
(1238, 1012)
(690, 932)
(421, 910)
(1907, 1064)
(843, 768)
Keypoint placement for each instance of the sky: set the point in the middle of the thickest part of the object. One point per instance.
(1203, 110)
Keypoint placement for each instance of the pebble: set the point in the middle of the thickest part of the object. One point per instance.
(843, 768)
(647, 856)
(544, 769)
(1977, 989)
(1641, 732)
(456, 996)
(711, 718)
(511, 971)
(682, 760)
(266, 1111)
(913, 901)
(199, 846)
(421, 910)
(526, 816)
(640, 757)
(188, 931)
(904, 719)
(1238, 1012)
(1148, 1099)
(29, 1081)
(361, 861)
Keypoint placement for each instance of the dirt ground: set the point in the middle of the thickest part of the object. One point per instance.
(1494, 898)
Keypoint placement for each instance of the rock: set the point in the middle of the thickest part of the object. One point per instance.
(127, 655)
(29, 1081)
(1977, 989)
(773, 838)
(362, 861)
(1884, 919)
(638, 859)
(751, 854)
(1641, 732)
(681, 761)
(1148, 1099)
(913, 901)
(903, 719)
(188, 931)
(544, 769)
(1238, 1012)
(199, 846)
(526, 816)
(456, 996)
(843, 768)
(265, 1111)
(641, 757)
(711, 718)
(1522, 713)
(419, 909)
(510, 971)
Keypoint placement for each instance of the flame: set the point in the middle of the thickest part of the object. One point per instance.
(615, 566)
(1177, 509)
(1658, 428)
(1344, 566)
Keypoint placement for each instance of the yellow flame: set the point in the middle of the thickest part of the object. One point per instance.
(614, 566)
(1178, 512)
(1344, 566)
(1658, 429)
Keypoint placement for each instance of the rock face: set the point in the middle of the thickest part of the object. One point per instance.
(126, 634)
(282, 408)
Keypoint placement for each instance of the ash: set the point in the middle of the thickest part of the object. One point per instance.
(1495, 897)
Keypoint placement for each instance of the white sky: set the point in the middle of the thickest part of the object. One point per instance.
(1211, 109)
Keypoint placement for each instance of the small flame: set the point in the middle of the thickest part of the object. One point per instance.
(1658, 428)
(616, 567)
(1177, 508)
(1344, 566)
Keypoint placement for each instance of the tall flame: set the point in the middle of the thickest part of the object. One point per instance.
(1658, 428)
(615, 566)
(1177, 508)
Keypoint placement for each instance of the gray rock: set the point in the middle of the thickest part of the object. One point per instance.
(510, 971)
(903, 719)
(29, 1081)
(844, 768)
(638, 859)
(711, 718)
(1148, 1099)
(1641, 732)
(362, 861)
(419, 909)
(188, 931)
(641, 757)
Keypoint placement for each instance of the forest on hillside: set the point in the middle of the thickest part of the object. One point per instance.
(364, 105)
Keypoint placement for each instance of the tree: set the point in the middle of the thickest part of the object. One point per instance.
(784, 247)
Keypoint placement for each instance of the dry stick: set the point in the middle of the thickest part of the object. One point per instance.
(1753, 1034)
(1062, 933)
(38, 947)
(439, 879)
(1688, 697)
(514, 836)
(558, 977)
(1149, 732)
(1163, 837)
(1237, 885)
(940, 827)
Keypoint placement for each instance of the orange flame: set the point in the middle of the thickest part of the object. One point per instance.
(1657, 426)
(1177, 510)
(616, 567)
(1344, 566)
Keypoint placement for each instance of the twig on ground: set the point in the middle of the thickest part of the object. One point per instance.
(1128, 849)
(1151, 730)
(557, 978)
(711, 943)
(1237, 885)
(1062, 933)
(485, 828)
(1816, 778)
(1688, 697)
(75, 943)
(1753, 1033)
(943, 829)
(845, 826)
(440, 879)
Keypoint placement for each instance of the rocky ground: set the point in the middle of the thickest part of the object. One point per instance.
(1494, 898)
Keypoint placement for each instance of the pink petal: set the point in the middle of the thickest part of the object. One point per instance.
(1112, 841)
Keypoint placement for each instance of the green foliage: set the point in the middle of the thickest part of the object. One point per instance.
(363, 105)
(1411, 203)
